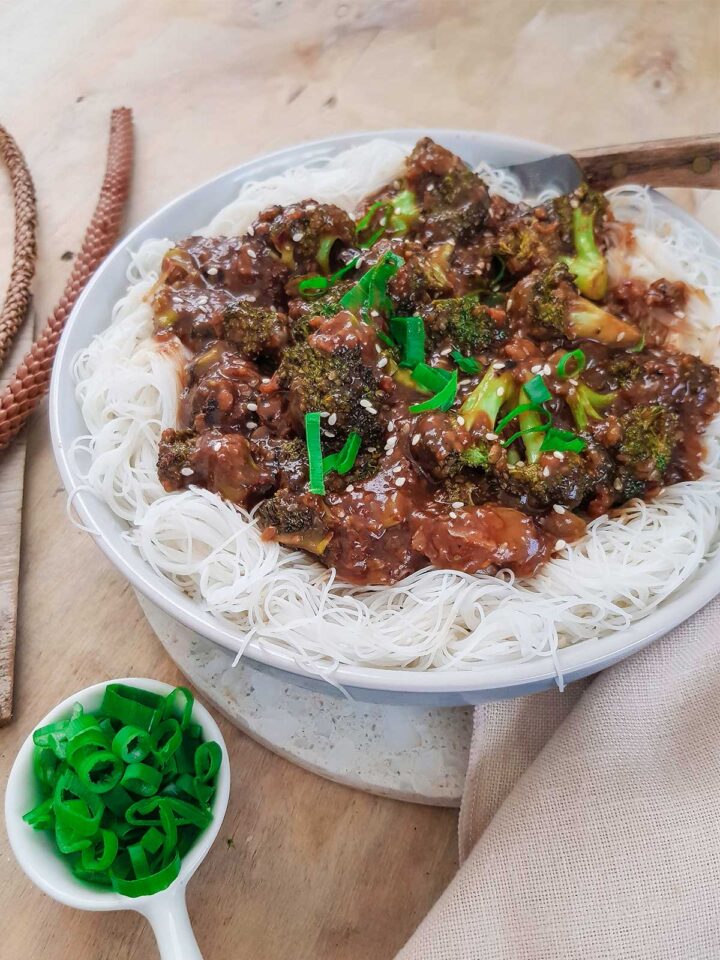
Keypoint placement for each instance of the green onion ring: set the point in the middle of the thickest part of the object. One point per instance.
(141, 779)
(578, 356)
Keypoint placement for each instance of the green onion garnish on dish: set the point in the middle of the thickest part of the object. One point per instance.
(127, 789)
(442, 400)
(409, 334)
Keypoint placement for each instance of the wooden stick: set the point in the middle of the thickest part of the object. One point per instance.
(681, 162)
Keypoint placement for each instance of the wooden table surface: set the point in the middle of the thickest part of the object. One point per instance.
(303, 868)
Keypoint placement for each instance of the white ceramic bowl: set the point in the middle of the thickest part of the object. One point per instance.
(92, 314)
(36, 853)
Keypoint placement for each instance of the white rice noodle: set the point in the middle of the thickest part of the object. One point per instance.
(128, 385)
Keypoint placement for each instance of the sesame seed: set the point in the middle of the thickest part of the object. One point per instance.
(324, 414)
(397, 468)
(574, 203)
(547, 369)
(374, 313)
(621, 335)
(377, 348)
(573, 383)
(452, 515)
(491, 436)
(415, 440)
(266, 379)
(251, 424)
(501, 391)
(187, 471)
(372, 449)
(461, 421)
(457, 505)
(310, 207)
(216, 445)
(558, 508)
(251, 299)
(536, 369)
(464, 383)
(679, 314)
(430, 187)
(510, 303)
(212, 271)
(498, 365)
(298, 236)
(520, 463)
(560, 545)
(382, 362)
(391, 426)
(252, 406)
(400, 482)
(349, 488)
(252, 254)
(617, 484)
(546, 471)
(251, 231)
(558, 455)
(332, 419)
(446, 351)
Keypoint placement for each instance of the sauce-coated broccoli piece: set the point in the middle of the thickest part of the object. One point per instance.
(650, 434)
(469, 325)
(338, 384)
(588, 266)
(554, 303)
(296, 521)
(304, 234)
(255, 329)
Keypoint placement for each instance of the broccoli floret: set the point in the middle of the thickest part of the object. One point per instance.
(454, 200)
(304, 234)
(296, 521)
(554, 303)
(625, 369)
(588, 266)
(586, 404)
(256, 330)
(174, 453)
(338, 383)
(650, 434)
(467, 323)
(421, 279)
(548, 481)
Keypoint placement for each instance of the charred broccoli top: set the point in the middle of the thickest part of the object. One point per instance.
(256, 330)
(304, 233)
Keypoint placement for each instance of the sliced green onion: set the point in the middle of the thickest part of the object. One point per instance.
(370, 292)
(146, 886)
(520, 408)
(344, 460)
(316, 483)
(577, 357)
(442, 400)
(132, 744)
(556, 439)
(639, 347)
(316, 285)
(141, 779)
(100, 771)
(166, 739)
(536, 390)
(495, 282)
(409, 333)
(365, 222)
(208, 760)
(466, 364)
(93, 859)
(431, 378)
(132, 706)
(537, 428)
(111, 838)
(41, 817)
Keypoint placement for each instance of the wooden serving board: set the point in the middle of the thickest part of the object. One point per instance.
(12, 475)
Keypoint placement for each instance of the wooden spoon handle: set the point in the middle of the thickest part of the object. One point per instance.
(681, 162)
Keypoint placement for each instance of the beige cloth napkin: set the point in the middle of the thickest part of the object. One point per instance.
(590, 822)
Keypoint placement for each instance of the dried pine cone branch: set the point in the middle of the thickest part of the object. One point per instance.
(17, 298)
(32, 377)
